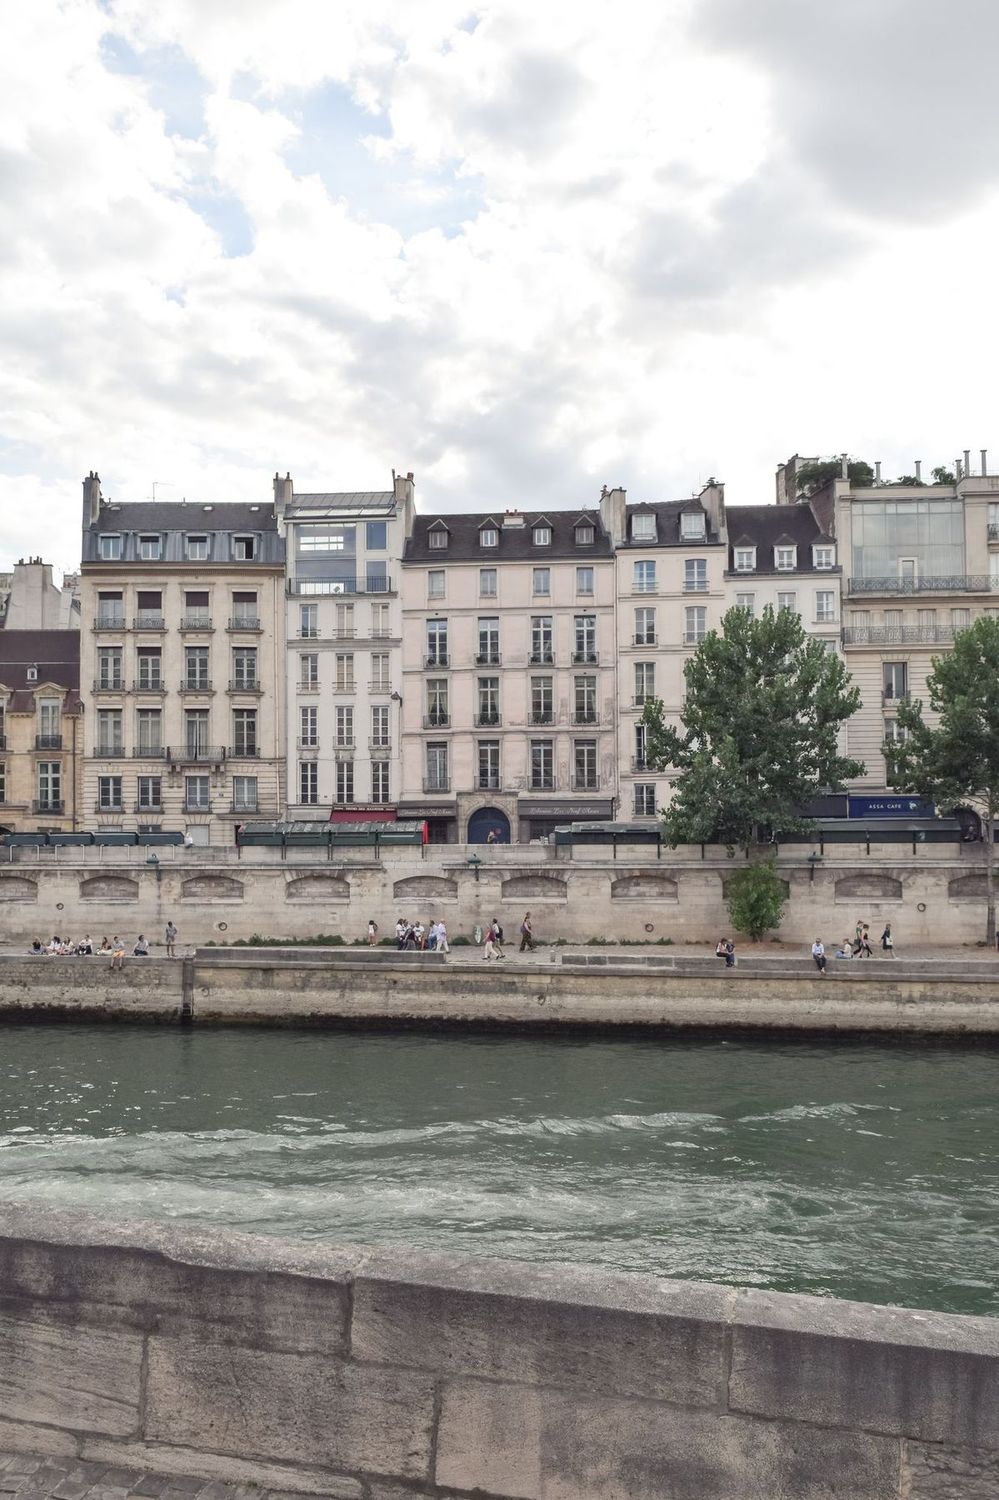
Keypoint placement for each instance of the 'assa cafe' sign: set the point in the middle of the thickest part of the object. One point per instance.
(889, 807)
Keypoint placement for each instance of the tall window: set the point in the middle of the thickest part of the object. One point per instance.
(541, 581)
(489, 765)
(343, 621)
(641, 750)
(746, 602)
(109, 794)
(196, 731)
(487, 583)
(380, 626)
(197, 794)
(344, 680)
(584, 581)
(542, 640)
(308, 727)
(437, 641)
(344, 732)
(825, 606)
(695, 624)
(308, 621)
(645, 627)
(376, 536)
(149, 731)
(244, 731)
(437, 703)
(435, 583)
(380, 727)
(584, 765)
(49, 786)
(196, 615)
(150, 662)
(437, 768)
(149, 794)
(3, 781)
(109, 731)
(585, 636)
(110, 610)
(644, 577)
(645, 800)
(244, 794)
(542, 766)
(960, 619)
(489, 642)
(645, 681)
(49, 736)
(244, 609)
(584, 691)
(308, 669)
(244, 666)
(308, 782)
(380, 680)
(489, 704)
(109, 662)
(896, 680)
(695, 575)
(196, 667)
(149, 612)
(380, 781)
(345, 781)
(542, 701)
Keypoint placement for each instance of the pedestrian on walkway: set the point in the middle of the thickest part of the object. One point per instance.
(866, 951)
(489, 948)
(888, 942)
(372, 932)
(443, 946)
(527, 942)
(170, 938)
(819, 955)
(498, 938)
(729, 954)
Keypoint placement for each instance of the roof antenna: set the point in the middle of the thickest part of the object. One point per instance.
(167, 482)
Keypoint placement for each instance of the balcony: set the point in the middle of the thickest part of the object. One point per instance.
(244, 807)
(994, 531)
(370, 583)
(196, 755)
(542, 716)
(197, 622)
(109, 685)
(149, 685)
(245, 685)
(148, 619)
(245, 622)
(489, 720)
(196, 685)
(243, 752)
(345, 633)
(345, 685)
(109, 807)
(147, 807)
(197, 807)
(436, 659)
(379, 687)
(109, 752)
(889, 696)
(105, 621)
(48, 805)
(971, 583)
(897, 635)
(309, 685)
(439, 720)
(586, 783)
(148, 752)
(644, 640)
(437, 783)
(379, 747)
(589, 718)
(311, 634)
(48, 741)
(545, 657)
(488, 659)
(587, 658)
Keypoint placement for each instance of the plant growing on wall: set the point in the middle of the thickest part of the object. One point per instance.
(756, 899)
(811, 478)
(957, 760)
(760, 731)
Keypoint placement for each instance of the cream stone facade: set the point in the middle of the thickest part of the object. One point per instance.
(182, 665)
(41, 730)
(344, 639)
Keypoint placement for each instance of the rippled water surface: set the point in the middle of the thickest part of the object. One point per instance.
(854, 1170)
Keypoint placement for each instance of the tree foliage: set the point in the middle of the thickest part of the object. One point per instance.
(760, 728)
(812, 477)
(956, 761)
(756, 900)
(943, 476)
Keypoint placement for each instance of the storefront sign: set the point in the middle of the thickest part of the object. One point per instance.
(890, 807)
(407, 810)
(572, 812)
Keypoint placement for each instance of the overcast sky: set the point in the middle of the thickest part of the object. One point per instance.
(521, 248)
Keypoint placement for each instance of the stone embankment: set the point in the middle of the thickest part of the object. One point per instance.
(560, 990)
(369, 1375)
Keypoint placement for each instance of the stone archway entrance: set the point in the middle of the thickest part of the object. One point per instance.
(486, 819)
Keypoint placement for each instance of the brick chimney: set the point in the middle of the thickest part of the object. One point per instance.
(91, 498)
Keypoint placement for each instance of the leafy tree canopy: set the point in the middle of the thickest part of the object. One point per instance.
(811, 477)
(943, 476)
(756, 900)
(764, 705)
(909, 479)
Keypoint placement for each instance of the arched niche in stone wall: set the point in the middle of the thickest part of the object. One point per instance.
(211, 888)
(868, 888)
(644, 888)
(966, 888)
(18, 888)
(317, 888)
(109, 888)
(534, 888)
(425, 888)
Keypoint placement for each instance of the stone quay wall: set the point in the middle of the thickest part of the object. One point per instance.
(929, 892)
(397, 1375)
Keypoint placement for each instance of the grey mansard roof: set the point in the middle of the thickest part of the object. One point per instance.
(345, 500)
(173, 520)
(516, 543)
(667, 516)
(768, 526)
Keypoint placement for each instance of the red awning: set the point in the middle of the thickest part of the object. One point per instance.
(363, 815)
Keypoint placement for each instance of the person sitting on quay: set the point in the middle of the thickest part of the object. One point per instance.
(54, 946)
(85, 947)
(37, 950)
(106, 944)
(819, 955)
(117, 953)
(141, 949)
(845, 949)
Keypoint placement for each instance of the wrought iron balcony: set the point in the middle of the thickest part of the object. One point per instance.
(196, 621)
(244, 806)
(109, 752)
(897, 635)
(993, 531)
(107, 620)
(149, 685)
(197, 807)
(369, 583)
(109, 685)
(585, 658)
(438, 720)
(545, 657)
(308, 742)
(245, 685)
(245, 622)
(190, 755)
(243, 752)
(640, 763)
(491, 719)
(149, 619)
(379, 687)
(48, 805)
(48, 741)
(643, 640)
(969, 583)
(436, 659)
(542, 716)
(196, 685)
(693, 637)
(147, 807)
(109, 807)
(589, 716)
(148, 752)
(488, 659)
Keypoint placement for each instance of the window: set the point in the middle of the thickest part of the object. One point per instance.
(380, 727)
(541, 581)
(786, 559)
(150, 793)
(244, 794)
(345, 781)
(823, 557)
(825, 607)
(344, 731)
(488, 699)
(244, 731)
(542, 536)
(487, 583)
(645, 681)
(148, 731)
(584, 765)
(308, 621)
(376, 536)
(109, 794)
(196, 548)
(380, 680)
(435, 583)
(109, 548)
(110, 610)
(746, 602)
(488, 536)
(308, 727)
(691, 525)
(380, 627)
(437, 539)
(437, 643)
(745, 559)
(244, 610)
(695, 624)
(489, 764)
(584, 580)
(542, 766)
(196, 614)
(437, 772)
(695, 575)
(645, 800)
(49, 714)
(343, 627)
(895, 676)
(993, 522)
(542, 640)
(109, 731)
(585, 636)
(49, 786)
(308, 669)
(3, 782)
(645, 627)
(960, 619)
(380, 781)
(643, 528)
(902, 540)
(150, 548)
(644, 577)
(584, 693)
(639, 763)
(344, 680)
(327, 538)
(488, 654)
(542, 701)
(150, 664)
(196, 667)
(308, 782)
(196, 731)
(244, 548)
(197, 794)
(244, 667)
(585, 536)
(894, 733)
(109, 659)
(437, 703)
(787, 601)
(376, 579)
(149, 614)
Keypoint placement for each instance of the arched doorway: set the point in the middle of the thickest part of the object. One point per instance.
(488, 820)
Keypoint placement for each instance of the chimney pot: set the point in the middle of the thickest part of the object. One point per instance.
(877, 472)
(844, 468)
(918, 464)
(985, 463)
(967, 461)
(957, 468)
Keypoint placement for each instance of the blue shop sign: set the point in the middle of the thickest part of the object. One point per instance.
(889, 807)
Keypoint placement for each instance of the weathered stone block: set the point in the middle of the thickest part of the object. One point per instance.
(544, 1325)
(61, 1372)
(305, 1408)
(942, 1472)
(918, 1374)
(225, 1469)
(533, 1444)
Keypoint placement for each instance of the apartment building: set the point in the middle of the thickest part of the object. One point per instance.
(41, 739)
(670, 561)
(781, 556)
(344, 638)
(32, 600)
(509, 664)
(182, 664)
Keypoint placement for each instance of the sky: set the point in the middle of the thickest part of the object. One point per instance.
(523, 250)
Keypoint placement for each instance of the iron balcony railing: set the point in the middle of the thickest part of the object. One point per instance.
(245, 622)
(640, 763)
(542, 716)
(109, 807)
(148, 619)
(148, 752)
(487, 659)
(436, 659)
(148, 807)
(994, 531)
(643, 640)
(586, 658)
(196, 685)
(109, 620)
(370, 583)
(544, 657)
(243, 752)
(437, 783)
(438, 720)
(244, 685)
(197, 807)
(491, 719)
(968, 583)
(587, 716)
(897, 635)
(149, 685)
(48, 805)
(196, 754)
(48, 741)
(195, 621)
(109, 752)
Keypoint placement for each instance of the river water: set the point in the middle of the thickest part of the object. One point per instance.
(852, 1170)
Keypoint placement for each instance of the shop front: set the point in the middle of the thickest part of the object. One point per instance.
(441, 820)
(540, 817)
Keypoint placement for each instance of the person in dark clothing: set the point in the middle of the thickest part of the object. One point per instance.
(527, 934)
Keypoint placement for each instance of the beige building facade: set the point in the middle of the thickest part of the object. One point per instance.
(182, 665)
(41, 730)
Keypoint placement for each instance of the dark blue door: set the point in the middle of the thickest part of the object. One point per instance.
(488, 820)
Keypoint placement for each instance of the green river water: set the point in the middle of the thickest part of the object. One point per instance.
(849, 1169)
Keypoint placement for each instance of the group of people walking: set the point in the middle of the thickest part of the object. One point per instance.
(411, 937)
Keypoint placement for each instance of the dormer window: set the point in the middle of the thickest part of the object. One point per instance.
(109, 548)
(692, 525)
(244, 548)
(584, 536)
(150, 548)
(488, 536)
(786, 559)
(643, 528)
(437, 539)
(32, 674)
(542, 536)
(745, 559)
(197, 549)
(823, 557)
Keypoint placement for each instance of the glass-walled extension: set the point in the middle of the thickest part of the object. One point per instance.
(908, 546)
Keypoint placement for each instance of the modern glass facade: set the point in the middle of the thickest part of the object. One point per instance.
(904, 538)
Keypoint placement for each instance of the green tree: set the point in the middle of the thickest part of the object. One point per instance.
(908, 479)
(812, 477)
(943, 476)
(764, 706)
(756, 899)
(956, 761)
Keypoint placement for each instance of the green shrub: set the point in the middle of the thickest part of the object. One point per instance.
(756, 897)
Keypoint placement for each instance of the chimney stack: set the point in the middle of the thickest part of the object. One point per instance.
(844, 468)
(404, 489)
(877, 472)
(919, 470)
(985, 462)
(614, 513)
(957, 469)
(967, 462)
(284, 494)
(91, 498)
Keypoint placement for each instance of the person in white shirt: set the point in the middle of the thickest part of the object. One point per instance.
(819, 955)
(443, 946)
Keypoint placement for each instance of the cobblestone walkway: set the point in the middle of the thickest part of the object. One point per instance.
(73, 1479)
